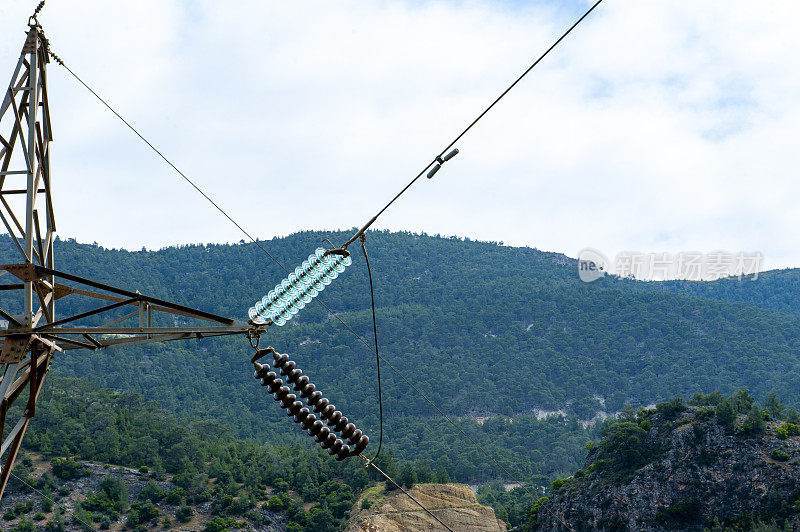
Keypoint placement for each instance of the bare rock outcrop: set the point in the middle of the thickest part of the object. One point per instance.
(454, 504)
(686, 473)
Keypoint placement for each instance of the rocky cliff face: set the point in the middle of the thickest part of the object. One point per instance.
(680, 471)
(454, 504)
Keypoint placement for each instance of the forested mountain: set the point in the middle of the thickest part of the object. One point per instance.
(777, 290)
(487, 331)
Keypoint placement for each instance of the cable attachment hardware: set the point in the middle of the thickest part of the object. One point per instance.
(341, 252)
(440, 161)
(32, 21)
(324, 422)
(254, 337)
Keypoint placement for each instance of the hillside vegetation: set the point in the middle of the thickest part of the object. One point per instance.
(720, 462)
(491, 333)
(108, 459)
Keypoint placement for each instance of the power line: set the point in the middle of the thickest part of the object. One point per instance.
(276, 261)
(377, 356)
(225, 214)
(438, 159)
(396, 485)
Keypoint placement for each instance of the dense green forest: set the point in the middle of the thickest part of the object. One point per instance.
(78, 419)
(486, 331)
(777, 289)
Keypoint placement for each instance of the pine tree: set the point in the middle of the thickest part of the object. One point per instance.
(441, 475)
(725, 414)
(742, 401)
(408, 477)
(774, 406)
(754, 424)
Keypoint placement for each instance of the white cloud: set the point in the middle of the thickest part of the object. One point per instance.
(657, 126)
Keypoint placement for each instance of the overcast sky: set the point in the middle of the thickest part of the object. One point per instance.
(657, 126)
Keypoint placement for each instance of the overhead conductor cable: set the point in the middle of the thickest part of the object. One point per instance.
(292, 306)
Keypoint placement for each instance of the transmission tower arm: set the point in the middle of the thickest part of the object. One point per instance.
(117, 331)
(34, 332)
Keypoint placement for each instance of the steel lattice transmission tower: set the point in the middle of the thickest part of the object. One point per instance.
(34, 334)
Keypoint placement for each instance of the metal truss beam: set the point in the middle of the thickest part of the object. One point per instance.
(26, 209)
(32, 338)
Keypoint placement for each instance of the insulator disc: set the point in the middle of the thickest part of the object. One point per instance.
(337, 266)
(282, 392)
(342, 423)
(330, 440)
(327, 413)
(271, 298)
(361, 444)
(309, 420)
(334, 418)
(320, 254)
(296, 283)
(313, 399)
(301, 385)
(321, 405)
(314, 290)
(343, 453)
(294, 408)
(288, 399)
(355, 436)
(301, 415)
(325, 279)
(315, 428)
(263, 306)
(289, 291)
(288, 311)
(348, 431)
(331, 274)
(336, 447)
(322, 435)
(307, 390)
(303, 272)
